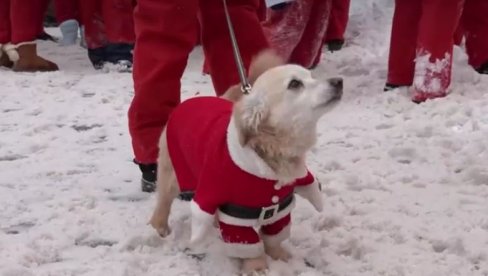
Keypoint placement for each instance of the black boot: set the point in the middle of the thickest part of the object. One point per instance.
(120, 54)
(97, 57)
(148, 180)
(391, 86)
(483, 69)
(335, 45)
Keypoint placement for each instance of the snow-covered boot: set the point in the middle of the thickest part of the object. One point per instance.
(69, 29)
(4, 60)
(25, 58)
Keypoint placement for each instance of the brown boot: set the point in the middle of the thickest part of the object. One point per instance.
(29, 61)
(4, 60)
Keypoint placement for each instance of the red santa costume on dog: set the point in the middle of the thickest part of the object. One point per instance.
(230, 180)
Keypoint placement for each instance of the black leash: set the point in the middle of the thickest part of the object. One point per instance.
(245, 85)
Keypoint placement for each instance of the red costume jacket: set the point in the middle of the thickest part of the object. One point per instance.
(207, 157)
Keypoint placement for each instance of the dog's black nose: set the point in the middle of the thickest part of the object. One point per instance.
(336, 83)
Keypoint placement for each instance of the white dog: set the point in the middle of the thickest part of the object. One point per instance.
(245, 161)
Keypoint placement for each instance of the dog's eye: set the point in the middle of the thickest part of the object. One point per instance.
(295, 84)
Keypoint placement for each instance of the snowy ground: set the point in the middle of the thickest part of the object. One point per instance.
(406, 185)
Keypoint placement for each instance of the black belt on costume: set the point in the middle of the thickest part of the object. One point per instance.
(243, 212)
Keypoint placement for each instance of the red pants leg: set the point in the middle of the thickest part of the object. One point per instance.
(216, 40)
(284, 28)
(92, 18)
(5, 28)
(166, 32)
(312, 39)
(118, 20)
(475, 23)
(437, 26)
(339, 16)
(404, 32)
(66, 10)
(26, 19)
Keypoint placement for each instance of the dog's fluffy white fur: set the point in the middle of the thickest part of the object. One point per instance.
(277, 121)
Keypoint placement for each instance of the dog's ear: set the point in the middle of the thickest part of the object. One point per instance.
(251, 111)
(262, 62)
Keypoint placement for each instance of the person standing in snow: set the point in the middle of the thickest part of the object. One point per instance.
(296, 29)
(422, 39)
(109, 31)
(339, 16)
(20, 24)
(474, 27)
(166, 32)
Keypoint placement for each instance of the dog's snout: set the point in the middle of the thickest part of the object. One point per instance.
(336, 83)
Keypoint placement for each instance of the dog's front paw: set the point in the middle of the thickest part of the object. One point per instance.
(254, 266)
(163, 231)
(278, 253)
(162, 228)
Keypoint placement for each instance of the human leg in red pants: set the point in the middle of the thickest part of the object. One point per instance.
(4, 33)
(109, 31)
(166, 32)
(311, 41)
(216, 40)
(339, 16)
(18, 33)
(66, 10)
(475, 24)
(403, 43)
(284, 28)
(434, 48)
(68, 18)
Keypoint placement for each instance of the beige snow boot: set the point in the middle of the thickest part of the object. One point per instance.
(25, 58)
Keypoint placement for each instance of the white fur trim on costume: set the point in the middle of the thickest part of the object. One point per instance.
(201, 223)
(275, 240)
(11, 51)
(244, 157)
(244, 250)
(254, 222)
(311, 193)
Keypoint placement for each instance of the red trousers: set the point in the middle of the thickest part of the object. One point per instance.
(339, 16)
(166, 32)
(423, 30)
(21, 20)
(66, 10)
(298, 31)
(107, 21)
(474, 27)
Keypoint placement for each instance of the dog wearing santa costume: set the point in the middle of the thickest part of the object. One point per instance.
(245, 160)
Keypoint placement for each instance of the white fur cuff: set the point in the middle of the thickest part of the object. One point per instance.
(311, 193)
(11, 51)
(244, 250)
(275, 240)
(201, 223)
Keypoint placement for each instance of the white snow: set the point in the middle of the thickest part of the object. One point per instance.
(405, 185)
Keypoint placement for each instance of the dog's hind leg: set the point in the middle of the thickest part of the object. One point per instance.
(167, 189)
